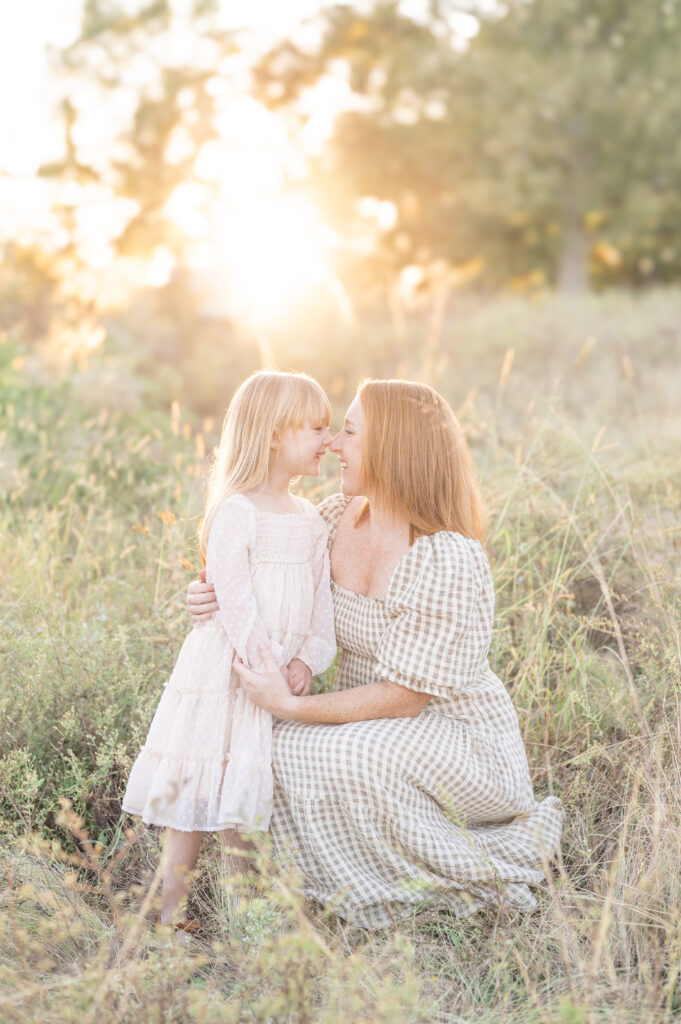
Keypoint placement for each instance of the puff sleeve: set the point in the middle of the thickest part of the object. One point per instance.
(319, 648)
(232, 534)
(441, 603)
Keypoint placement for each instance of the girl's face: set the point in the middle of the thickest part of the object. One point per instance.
(299, 452)
(347, 445)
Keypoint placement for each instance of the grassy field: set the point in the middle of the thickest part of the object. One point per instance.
(573, 413)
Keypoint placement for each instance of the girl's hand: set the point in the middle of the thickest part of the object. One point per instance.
(299, 677)
(201, 600)
(268, 690)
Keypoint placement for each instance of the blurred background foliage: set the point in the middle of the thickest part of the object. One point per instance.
(219, 204)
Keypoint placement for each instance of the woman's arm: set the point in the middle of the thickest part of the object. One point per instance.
(384, 699)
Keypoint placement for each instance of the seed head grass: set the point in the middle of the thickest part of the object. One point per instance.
(577, 449)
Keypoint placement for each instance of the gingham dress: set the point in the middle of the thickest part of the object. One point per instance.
(389, 814)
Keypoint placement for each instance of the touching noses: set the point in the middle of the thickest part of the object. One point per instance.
(334, 443)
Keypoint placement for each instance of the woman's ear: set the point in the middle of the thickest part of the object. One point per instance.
(275, 443)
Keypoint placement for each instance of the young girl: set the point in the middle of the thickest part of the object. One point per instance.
(206, 763)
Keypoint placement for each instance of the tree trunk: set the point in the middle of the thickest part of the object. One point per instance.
(573, 271)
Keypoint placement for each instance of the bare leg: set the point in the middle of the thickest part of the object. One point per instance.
(231, 838)
(180, 853)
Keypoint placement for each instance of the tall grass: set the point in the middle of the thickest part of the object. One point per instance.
(577, 448)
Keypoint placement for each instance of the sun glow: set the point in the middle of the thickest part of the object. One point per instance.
(256, 252)
(276, 251)
(262, 259)
(256, 247)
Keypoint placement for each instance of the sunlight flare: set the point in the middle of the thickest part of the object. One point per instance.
(274, 252)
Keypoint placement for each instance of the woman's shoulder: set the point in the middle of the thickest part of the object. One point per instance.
(333, 505)
(447, 547)
(332, 508)
(448, 544)
(439, 563)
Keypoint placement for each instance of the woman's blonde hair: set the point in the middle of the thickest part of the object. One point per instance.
(264, 406)
(416, 463)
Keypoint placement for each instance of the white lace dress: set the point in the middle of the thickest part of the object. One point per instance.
(206, 763)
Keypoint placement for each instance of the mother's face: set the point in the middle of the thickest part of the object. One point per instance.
(347, 445)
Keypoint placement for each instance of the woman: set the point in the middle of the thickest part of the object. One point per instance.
(410, 780)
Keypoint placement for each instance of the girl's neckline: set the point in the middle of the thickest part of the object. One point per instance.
(262, 512)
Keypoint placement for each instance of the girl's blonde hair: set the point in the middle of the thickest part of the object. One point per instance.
(416, 463)
(264, 406)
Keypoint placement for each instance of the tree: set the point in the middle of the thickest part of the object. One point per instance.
(161, 68)
(548, 146)
(577, 137)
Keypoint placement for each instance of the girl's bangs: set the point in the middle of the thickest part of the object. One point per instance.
(312, 406)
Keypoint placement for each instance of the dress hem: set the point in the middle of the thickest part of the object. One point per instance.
(239, 826)
(458, 901)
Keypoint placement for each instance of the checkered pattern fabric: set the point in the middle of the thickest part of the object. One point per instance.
(386, 815)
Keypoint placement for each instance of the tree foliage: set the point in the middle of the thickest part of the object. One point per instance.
(546, 149)
(547, 145)
(163, 66)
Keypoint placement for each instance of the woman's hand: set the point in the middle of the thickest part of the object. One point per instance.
(269, 690)
(201, 600)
